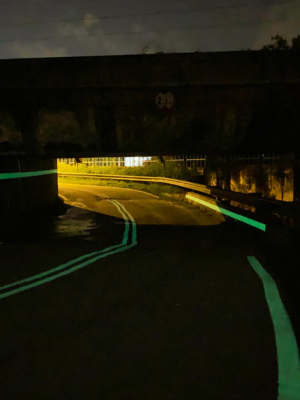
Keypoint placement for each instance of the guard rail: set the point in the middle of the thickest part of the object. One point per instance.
(269, 209)
(156, 179)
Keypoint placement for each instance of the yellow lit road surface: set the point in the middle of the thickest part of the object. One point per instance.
(138, 298)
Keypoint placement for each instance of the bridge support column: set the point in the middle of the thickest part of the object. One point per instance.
(28, 189)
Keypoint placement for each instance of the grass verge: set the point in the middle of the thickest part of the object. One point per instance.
(169, 170)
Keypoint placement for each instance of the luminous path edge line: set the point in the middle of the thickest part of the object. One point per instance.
(134, 229)
(119, 248)
(78, 259)
(15, 175)
(63, 273)
(286, 344)
(241, 218)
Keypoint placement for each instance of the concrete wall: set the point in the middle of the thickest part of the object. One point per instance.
(85, 106)
(154, 70)
(274, 182)
(26, 196)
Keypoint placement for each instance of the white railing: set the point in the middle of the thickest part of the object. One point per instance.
(191, 161)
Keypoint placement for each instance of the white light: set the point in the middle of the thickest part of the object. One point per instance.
(135, 161)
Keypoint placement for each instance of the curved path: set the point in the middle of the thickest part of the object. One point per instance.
(179, 314)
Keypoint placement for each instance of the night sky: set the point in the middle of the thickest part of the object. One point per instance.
(53, 28)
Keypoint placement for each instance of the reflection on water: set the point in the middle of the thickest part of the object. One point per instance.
(74, 222)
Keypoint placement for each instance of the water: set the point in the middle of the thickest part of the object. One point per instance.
(41, 227)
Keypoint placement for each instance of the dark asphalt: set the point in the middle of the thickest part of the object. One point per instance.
(180, 316)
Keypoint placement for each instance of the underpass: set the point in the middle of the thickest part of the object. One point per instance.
(119, 294)
(133, 297)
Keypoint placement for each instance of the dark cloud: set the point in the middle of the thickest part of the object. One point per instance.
(232, 27)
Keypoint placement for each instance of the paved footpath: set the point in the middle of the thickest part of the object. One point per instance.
(141, 299)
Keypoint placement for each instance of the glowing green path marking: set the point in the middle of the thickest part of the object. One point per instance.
(287, 350)
(76, 260)
(231, 214)
(14, 175)
(97, 255)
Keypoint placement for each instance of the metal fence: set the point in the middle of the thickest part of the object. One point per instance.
(189, 161)
(194, 161)
(255, 159)
(200, 161)
(97, 161)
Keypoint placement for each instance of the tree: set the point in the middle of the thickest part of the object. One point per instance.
(151, 49)
(282, 44)
(296, 43)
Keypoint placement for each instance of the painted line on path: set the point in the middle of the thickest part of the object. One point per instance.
(76, 260)
(15, 175)
(286, 344)
(241, 218)
(63, 268)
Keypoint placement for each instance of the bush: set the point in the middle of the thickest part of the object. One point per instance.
(169, 170)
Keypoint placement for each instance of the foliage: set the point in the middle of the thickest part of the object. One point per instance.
(146, 49)
(157, 189)
(170, 169)
(282, 44)
(296, 43)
